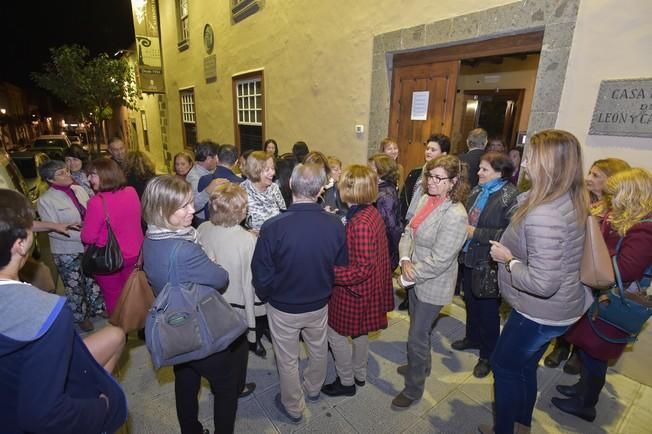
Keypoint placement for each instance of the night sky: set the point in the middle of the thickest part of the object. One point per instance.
(28, 29)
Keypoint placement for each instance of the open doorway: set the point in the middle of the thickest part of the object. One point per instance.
(487, 84)
(494, 93)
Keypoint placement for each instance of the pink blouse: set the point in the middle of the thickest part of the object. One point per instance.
(123, 207)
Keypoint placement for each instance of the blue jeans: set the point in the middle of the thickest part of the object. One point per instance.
(514, 362)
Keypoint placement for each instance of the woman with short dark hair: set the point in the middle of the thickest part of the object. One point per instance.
(65, 202)
(138, 169)
(271, 147)
(117, 203)
(387, 202)
(75, 158)
(490, 207)
(168, 210)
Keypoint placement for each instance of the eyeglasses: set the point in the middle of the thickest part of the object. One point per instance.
(437, 179)
(62, 172)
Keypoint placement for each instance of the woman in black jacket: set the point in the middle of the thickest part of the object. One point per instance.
(490, 207)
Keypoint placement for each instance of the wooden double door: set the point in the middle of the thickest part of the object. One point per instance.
(439, 79)
(436, 71)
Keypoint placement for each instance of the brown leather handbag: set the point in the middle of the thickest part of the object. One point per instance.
(596, 270)
(134, 302)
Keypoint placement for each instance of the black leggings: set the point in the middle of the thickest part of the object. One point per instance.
(225, 372)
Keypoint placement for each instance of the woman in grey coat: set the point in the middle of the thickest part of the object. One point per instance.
(65, 202)
(539, 258)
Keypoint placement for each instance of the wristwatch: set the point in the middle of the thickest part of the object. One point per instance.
(507, 265)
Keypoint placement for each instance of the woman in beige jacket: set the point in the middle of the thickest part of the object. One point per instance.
(428, 250)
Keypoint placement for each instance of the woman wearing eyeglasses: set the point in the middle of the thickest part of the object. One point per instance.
(65, 202)
(428, 250)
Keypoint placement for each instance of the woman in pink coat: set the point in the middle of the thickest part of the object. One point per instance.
(123, 209)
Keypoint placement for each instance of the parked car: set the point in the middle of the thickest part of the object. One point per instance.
(53, 145)
(28, 162)
(11, 178)
(75, 140)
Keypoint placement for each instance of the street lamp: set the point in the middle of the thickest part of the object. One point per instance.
(3, 111)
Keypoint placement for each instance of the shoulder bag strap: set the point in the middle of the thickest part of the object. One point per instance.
(173, 278)
(106, 212)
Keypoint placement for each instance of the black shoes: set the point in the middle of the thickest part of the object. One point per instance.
(258, 349)
(359, 383)
(337, 389)
(247, 390)
(405, 304)
(575, 407)
(573, 365)
(568, 391)
(465, 344)
(482, 368)
(559, 354)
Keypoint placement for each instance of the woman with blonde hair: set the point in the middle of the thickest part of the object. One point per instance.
(227, 243)
(390, 148)
(183, 162)
(627, 229)
(428, 250)
(172, 244)
(362, 295)
(596, 181)
(264, 196)
(539, 259)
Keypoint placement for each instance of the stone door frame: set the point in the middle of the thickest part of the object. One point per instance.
(555, 17)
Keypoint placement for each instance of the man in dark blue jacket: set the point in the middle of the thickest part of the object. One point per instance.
(228, 156)
(49, 380)
(293, 271)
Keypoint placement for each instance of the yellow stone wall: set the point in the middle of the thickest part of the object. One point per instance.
(316, 57)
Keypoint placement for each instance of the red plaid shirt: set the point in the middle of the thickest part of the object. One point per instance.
(363, 292)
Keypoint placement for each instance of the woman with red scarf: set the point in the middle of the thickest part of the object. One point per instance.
(65, 202)
(428, 250)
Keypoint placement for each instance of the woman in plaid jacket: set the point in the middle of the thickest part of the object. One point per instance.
(363, 292)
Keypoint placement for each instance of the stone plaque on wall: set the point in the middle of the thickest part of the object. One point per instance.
(210, 68)
(623, 108)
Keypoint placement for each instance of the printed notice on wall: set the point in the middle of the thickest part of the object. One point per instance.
(624, 108)
(420, 106)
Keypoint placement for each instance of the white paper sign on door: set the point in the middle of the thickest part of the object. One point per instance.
(420, 105)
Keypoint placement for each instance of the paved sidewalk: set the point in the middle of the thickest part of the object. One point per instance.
(454, 402)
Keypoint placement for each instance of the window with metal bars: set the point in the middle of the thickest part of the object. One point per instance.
(188, 117)
(249, 97)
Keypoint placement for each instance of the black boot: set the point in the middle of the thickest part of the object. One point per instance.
(583, 405)
(574, 364)
(559, 353)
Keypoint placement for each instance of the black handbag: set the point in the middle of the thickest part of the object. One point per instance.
(106, 259)
(484, 280)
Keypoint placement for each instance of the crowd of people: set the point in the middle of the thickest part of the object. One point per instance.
(305, 249)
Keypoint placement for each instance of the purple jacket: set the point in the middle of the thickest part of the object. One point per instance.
(388, 206)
